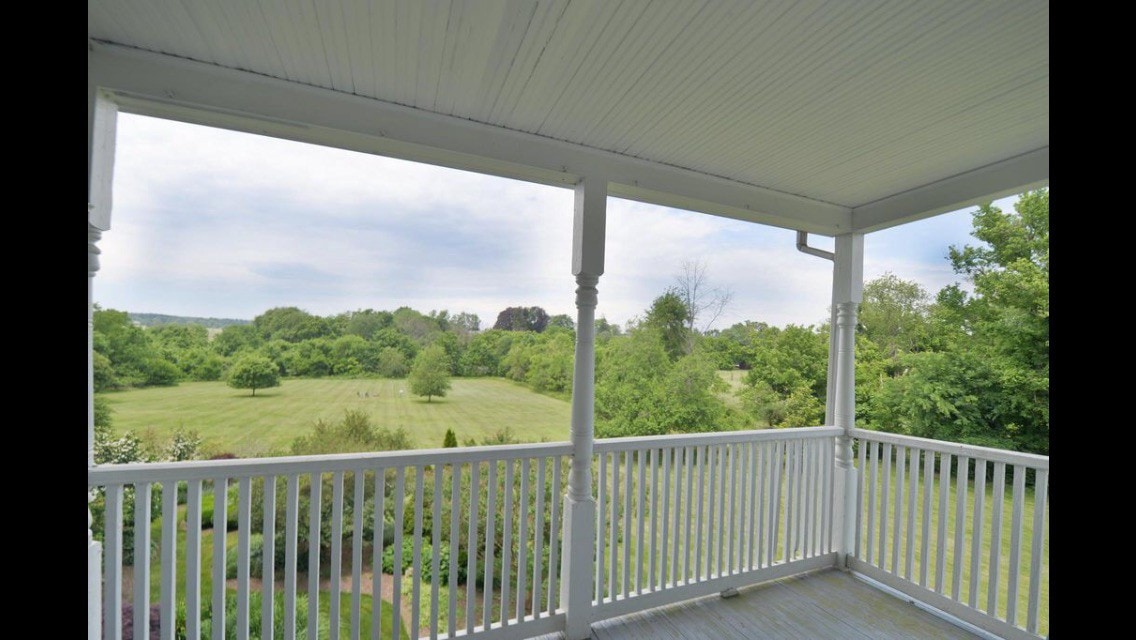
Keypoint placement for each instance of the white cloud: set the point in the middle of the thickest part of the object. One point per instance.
(215, 223)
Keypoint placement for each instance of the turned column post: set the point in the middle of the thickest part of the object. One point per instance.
(848, 284)
(578, 558)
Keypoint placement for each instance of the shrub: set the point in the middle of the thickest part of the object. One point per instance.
(256, 555)
(183, 445)
(352, 434)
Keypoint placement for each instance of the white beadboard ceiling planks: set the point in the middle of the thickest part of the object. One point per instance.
(846, 103)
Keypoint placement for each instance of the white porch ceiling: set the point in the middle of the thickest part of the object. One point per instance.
(880, 111)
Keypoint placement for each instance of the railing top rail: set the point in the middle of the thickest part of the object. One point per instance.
(289, 465)
(718, 437)
(986, 453)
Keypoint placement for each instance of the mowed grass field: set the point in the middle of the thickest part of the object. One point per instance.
(230, 420)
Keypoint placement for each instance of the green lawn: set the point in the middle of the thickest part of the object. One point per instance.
(232, 421)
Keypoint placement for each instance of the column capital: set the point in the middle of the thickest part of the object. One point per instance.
(589, 227)
(848, 268)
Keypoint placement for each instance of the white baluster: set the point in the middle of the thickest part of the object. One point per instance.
(336, 572)
(357, 505)
(471, 546)
(976, 530)
(399, 503)
(315, 513)
(522, 540)
(291, 534)
(193, 560)
(112, 596)
(220, 532)
(925, 542)
(912, 494)
(377, 549)
(436, 544)
(1015, 544)
(268, 560)
(244, 526)
(538, 538)
(142, 517)
(416, 579)
(455, 546)
(961, 483)
(490, 541)
(1037, 549)
(507, 542)
(997, 504)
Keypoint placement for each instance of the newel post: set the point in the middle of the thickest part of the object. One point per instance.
(847, 289)
(578, 558)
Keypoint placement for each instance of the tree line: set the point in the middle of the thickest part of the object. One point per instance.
(969, 364)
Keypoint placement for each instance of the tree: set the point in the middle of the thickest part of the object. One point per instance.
(392, 363)
(430, 375)
(450, 440)
(668, 316)
(606, 330)
(236, 338)
(987, 383)
(291, 324)
(134, 359)
(367, 323)
(465, 323)
(254, 372)
(563, 321)
(894, 314)
(701, 300)
(522, 319)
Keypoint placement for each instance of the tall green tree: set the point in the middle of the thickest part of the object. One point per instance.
(669, 317)
(291, 324)
(430, 375)
(894, 314)
(989, 382)
(522, 319)
(254, 372)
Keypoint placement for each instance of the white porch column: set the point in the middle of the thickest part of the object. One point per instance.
(847, 288)
(578, 557)
(101, 116)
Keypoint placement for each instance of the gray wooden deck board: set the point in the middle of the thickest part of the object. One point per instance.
(825, 605)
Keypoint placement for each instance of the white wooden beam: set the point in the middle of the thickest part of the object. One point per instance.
(1008, 177)
(164, 86)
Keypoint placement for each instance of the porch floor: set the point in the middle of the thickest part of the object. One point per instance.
(824, 605)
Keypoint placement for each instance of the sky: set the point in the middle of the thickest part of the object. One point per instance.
(215, 223)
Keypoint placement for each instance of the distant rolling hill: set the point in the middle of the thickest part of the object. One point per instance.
(154, 319)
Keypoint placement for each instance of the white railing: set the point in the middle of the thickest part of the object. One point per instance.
(489, 502)
(935, 522)
(683, 516)
(676, 517)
